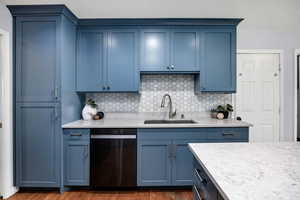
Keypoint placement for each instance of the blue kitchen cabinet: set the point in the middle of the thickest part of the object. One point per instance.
(169, 50)
(218, 60)
(155, 50)
(37, 142)
(36, 59)
(76, 157)
(107, 60)
(122, 61)
(182, 162)
(185, 50)
(44, 68)
(239, 134)
(90, 60)
(154, 164)
(163, 155)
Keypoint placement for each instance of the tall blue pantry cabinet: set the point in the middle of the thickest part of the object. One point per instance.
(45, 97)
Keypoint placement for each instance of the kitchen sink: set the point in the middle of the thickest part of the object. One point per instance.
(170, 121)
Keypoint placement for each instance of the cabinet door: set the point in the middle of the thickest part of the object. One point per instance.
(185, 50)
(218, 67)
(122, 71)
(182, 168)
(76, 158)
(155, 49)
(154, 163)
(37, 145)
(37, 59)
(90, 61)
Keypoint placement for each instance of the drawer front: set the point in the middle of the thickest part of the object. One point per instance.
(172, 133)
(77, 134)
(229, 134)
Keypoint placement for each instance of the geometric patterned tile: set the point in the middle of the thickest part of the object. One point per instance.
(153, 87)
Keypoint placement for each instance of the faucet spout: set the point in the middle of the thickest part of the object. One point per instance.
(171, 113)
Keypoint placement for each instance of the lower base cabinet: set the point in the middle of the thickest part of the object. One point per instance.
(164, 158)
(38, 136)
(76, 157)
(154, 163)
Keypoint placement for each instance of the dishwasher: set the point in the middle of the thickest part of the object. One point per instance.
(113, 158)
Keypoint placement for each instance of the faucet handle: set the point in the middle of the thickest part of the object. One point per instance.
(174, 113)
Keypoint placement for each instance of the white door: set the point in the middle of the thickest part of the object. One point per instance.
(257, 97)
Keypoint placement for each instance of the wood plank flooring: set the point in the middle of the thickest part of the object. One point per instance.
(107, 195)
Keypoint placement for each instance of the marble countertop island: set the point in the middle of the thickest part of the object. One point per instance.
(252, 171)
(129, 120)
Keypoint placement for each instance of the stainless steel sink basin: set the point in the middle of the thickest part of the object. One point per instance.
(171, 121)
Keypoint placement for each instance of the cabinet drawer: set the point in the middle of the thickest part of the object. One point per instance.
(77, 134)
(229, 134)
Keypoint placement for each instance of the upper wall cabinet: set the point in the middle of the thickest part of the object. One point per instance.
(155, 50)
(122, 60)
(218, 60)
(90, 60)
(169, 50)
(107, 60)
(184, 50)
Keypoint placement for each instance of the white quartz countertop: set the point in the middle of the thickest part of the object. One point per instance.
(252, 171)
(139, 123)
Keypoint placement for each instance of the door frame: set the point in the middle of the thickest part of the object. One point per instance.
(297, 52)
(7, 119)
(281, 81)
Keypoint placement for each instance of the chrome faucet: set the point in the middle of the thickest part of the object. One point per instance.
(171, 113)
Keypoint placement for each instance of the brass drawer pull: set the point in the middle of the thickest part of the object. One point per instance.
(75, 134)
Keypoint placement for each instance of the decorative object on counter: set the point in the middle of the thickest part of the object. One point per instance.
(220, 115)
(89, 110)
(238, 118)
(98, 116)
(222, 111)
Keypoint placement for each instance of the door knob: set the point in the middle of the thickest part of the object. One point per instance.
(240, 74)
(275, 74)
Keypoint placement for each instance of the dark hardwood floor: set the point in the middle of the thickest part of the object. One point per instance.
(106, 195)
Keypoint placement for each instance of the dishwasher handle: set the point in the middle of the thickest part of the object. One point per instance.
(113, 137)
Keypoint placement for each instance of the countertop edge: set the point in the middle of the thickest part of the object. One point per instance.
(79, 125)
(208, 173)
(147, 127)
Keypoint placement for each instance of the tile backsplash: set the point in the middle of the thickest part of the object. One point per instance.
(152, 89)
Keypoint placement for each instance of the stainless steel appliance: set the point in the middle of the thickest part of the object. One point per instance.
(113, 158)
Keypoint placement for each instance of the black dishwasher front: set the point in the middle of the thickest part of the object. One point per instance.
(113, 158)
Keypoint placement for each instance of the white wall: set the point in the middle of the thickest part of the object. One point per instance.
(6, 133)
